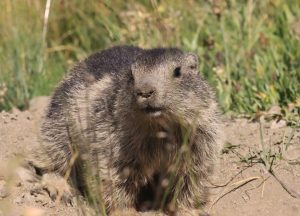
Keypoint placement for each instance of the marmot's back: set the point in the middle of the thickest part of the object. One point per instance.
(113, 61)
(63, 107)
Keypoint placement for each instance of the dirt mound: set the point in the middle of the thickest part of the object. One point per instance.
(258, 174)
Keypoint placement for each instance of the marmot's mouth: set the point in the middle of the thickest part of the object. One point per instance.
(153, 111)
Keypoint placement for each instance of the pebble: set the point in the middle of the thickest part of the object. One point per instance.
(20, 199)
(278, 124)
(245, 197)
(3, 189)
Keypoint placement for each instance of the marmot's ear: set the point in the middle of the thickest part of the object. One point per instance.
(191, 60)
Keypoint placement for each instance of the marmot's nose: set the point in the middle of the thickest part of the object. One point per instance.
(145, 92)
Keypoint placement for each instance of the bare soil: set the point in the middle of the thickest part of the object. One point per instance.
(243, 184)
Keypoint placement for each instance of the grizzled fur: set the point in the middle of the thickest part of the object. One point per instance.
(143, 121)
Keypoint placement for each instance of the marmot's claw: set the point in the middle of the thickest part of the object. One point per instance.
(58, 188)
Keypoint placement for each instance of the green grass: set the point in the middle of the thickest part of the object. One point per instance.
(249, 50)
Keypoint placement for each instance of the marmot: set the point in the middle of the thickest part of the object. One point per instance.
(143, 126)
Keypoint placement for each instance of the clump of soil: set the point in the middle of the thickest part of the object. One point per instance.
(258, 174)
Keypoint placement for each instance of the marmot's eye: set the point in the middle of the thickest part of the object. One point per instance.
(177, 72)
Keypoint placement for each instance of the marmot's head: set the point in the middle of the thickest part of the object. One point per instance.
(166, 84)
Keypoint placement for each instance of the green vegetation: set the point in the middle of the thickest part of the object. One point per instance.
(250, 50)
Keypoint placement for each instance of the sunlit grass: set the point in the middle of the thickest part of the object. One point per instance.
(249, 50)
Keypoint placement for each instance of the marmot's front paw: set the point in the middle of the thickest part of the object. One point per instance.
(58, 188)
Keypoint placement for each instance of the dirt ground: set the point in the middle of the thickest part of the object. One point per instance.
(242, 185)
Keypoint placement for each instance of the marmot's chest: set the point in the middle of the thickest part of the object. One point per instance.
(157, 154)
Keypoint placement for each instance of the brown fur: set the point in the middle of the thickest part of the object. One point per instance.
(145, 125)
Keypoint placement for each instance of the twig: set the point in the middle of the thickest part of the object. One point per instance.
(262, 183)
(290, 191)
(239, 183)
(230, 180)
(263, 187)
(44, 35)
(46, 18)
(294, 162)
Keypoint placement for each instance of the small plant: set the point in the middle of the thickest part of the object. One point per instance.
(228, 147)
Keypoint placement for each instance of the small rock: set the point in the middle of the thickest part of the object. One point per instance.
(43, 199)
(39, 198)
(245, 197)
(278, 124)
(14, 117)
(19, 200)
(3, 189)
(275, 110)
(51, 204)
(5, 114)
